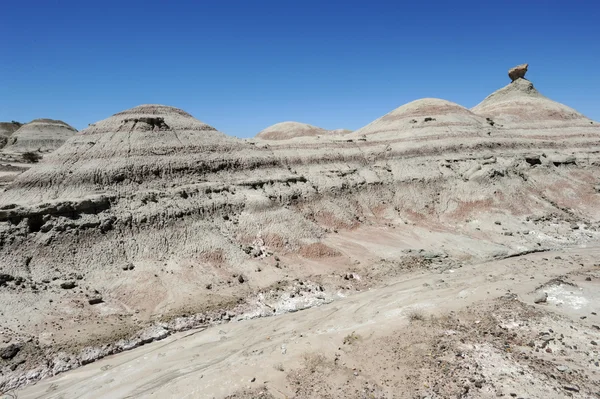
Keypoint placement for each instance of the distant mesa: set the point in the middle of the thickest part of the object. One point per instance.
(517, 72)
(427, 116)
(43, 135)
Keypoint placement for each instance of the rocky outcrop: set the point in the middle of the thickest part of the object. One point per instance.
(41, 135)
(517, 72)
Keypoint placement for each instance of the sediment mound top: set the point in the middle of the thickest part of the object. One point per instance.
(290, 130)
(424, 113)
(149, 146)
(340, 132)
(150, 117)
(520, 105)
(40, 135)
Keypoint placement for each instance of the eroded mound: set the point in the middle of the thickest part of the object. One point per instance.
(8, 128)
(40, 135)
(340, 132)
(520, 105)
(150, 146)
(290, 130)
(424, 117)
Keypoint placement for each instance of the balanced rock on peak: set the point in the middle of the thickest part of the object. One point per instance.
(517, 72)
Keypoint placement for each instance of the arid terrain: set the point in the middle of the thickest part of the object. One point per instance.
(436, 252)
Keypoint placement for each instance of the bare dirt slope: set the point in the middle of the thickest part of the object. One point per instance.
(472, 332)
(151, 222)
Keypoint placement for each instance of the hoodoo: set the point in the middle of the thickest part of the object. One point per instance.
(518, 72)
(519, 105)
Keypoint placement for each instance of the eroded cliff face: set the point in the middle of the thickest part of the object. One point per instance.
(151, 214)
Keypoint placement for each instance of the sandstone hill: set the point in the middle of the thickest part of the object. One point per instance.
(24, 145)
(8, 128)
(340, 131)
(520, 106)
(151, 221)
(291, 130)
(42, 135)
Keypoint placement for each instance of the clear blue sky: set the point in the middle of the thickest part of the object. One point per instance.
(244, 65)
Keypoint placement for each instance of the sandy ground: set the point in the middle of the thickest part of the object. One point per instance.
(474, 331)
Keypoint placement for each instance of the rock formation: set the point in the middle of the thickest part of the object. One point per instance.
(426, 117)
(167, 220)
(290, 130)
(517, 72)
(6, 130)
(519, 105)
(42, 135)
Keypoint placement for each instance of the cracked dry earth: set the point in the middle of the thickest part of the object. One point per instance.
(476, 331)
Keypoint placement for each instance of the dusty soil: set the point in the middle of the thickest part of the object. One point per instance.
(474, 331)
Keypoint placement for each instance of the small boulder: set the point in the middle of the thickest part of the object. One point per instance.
(517, 72)
(68, 285)
(95, 300)
(542, 297)
(128, 266)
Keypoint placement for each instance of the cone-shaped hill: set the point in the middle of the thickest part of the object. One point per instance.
(520, 105)
(425, 117)
(40, 135)
(290, 130)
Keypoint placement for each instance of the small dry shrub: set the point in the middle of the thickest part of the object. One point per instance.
(351, 338)
(313, 362)
(416, 315)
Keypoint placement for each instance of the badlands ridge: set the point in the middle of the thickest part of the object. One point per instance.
(151, 222)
